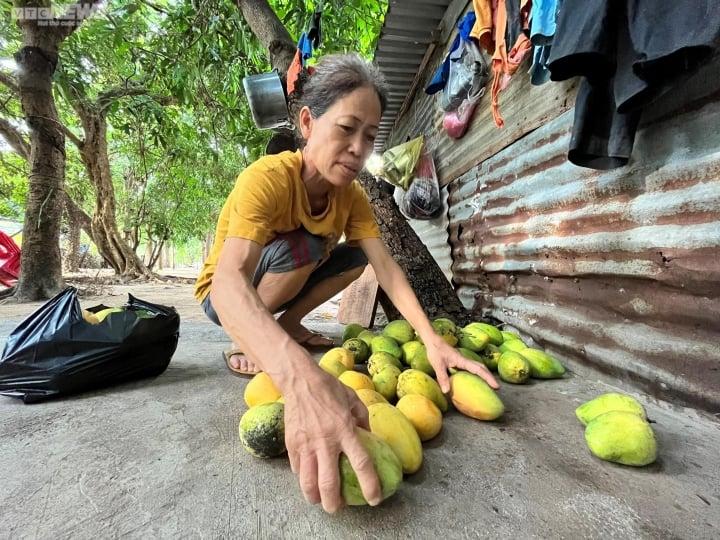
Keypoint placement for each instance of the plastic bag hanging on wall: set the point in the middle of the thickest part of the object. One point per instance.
(399, 162)
(467, 77)
(422, 199)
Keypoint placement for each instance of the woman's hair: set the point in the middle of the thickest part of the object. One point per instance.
(335, 76)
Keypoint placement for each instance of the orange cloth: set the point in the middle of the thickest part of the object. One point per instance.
(482, 29)
(294, 72)
(269, 197)
(504, 64)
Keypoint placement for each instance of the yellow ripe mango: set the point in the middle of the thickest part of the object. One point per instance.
(423, 415)
(395, 429)
(261, 390)
(356, 380)
(370, 397)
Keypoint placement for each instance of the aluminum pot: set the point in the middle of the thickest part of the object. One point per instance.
(266, 96)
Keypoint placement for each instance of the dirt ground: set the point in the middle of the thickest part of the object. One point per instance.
(160, 458)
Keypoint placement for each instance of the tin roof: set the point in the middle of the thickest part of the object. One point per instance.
(409, 34)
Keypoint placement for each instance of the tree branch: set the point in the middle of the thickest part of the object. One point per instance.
(74, 16)
(273, 35)
(106, 98)
(14, 138)
(10, 82)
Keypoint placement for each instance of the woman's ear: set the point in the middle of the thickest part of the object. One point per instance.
(305, 120)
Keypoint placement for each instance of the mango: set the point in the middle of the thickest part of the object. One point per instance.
(490, 357)
(513, 345)
(542, 365)
(513, 368)
(369, 397)
(473, 339)
(332, 366)
(379, 360)
(446, 329)
(100, 315)
(621, 437)
(473, 397)
(400, 331)
(386, 464)
(604, 403)
(351, 331)
(356, 380)
(496, 337)
(470, 355)
(415, 356)
(90, 317)
(339, 354)
(423, 414)
(386, 381)
(509, 336)
(386, 344)
(367, 336)
(394, 428)
(262, 430)
(413, 381)
(358, 348)
(261, 390)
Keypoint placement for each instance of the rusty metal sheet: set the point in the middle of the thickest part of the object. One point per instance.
(616, 269)
(434, 234)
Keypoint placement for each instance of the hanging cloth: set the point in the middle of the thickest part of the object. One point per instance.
(482, 31)
(505, 62)
(308, 41)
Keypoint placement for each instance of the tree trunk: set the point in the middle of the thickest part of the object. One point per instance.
(111, 245)
(436, 295)
(40, 262)
(207, 245)
(72, 255)
(266, 26)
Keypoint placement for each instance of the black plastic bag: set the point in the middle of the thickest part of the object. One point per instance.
(56, 352)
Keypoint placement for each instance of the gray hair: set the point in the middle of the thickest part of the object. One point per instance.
(335, 76)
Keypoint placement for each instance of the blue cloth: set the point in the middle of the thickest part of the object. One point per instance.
(440, 77)
(543, 14)
(305, 47)
(539, 72)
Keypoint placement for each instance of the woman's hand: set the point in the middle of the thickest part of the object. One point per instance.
(442, 356)
(320, 418)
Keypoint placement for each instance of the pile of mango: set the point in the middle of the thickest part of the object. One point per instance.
(397, 384)
(391, 375)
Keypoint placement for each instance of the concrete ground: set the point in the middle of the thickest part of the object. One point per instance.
(161, 458)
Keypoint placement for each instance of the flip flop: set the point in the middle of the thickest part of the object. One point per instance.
(308, 340)
(239, 372)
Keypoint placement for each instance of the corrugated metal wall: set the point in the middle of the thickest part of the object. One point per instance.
(434, 234)
(618, 269)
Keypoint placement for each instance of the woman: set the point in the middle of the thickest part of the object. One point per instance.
(276, 250)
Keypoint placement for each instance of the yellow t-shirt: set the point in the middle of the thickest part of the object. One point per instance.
(269, 198)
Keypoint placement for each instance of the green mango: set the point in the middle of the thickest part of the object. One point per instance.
(542, 365)
(604, 403)
(386, 464)
(621, 437)
(400, 331)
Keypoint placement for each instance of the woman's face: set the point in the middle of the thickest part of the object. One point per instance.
(339, 141)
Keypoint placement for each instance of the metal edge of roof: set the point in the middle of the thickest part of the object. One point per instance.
(404, 40)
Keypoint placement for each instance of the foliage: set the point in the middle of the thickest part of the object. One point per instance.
(175, 149)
